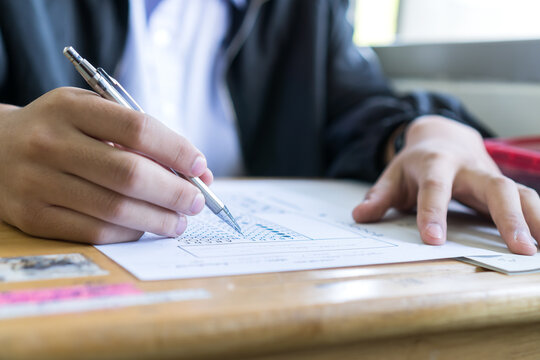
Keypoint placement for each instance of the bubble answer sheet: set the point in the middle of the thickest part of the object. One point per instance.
(295, 225)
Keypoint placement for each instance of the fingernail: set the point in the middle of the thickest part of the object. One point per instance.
(199, 166)
(435, 232)
(197, 204)
(181, 226)
(524, 238)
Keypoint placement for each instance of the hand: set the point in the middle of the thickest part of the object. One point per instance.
(62, 179)
(444, 159)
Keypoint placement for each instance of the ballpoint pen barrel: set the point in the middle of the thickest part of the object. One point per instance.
(110, 89)
(95, 79)
(212, 202)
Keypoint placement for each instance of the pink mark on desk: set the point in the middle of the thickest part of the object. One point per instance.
(66, 293)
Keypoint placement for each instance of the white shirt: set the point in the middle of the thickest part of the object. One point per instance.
(173, 67)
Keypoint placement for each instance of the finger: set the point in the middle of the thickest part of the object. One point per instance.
(379, 198)
(129, 174)
(207, 177)
(74, 193)
(530, 203)
(469, 188)
(109, 121)
(473, 203)
(434, 194)
(504, 203)
(63, 224)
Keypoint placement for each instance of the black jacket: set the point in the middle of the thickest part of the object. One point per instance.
(308, 102)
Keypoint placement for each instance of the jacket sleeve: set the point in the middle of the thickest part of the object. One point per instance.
(3, 67)
(363, 111)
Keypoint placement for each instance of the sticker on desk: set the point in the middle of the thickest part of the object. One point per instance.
(42, 267)
(75, 299)
(65, 293)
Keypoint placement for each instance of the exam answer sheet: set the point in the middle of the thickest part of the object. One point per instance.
(298, 225)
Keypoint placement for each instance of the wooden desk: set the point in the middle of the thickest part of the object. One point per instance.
(429, 310)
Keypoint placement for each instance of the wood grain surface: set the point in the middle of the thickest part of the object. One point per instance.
(426, 310)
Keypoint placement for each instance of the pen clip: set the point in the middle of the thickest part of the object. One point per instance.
(116, 85)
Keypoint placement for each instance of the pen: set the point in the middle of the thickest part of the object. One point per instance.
(110, 89)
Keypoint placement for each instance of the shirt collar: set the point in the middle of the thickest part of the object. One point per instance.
(240, 4)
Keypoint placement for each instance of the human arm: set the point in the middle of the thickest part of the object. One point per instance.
(442, 158)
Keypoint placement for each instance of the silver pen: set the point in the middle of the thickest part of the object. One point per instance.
(110, 89)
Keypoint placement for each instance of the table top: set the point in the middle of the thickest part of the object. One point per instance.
(255, 315)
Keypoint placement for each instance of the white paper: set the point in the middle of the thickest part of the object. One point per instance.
(503, 260)
(290, 225)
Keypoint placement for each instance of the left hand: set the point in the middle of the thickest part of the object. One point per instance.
(443, 159)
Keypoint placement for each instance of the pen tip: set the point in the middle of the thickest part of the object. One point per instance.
(227, 217)
(237, 228)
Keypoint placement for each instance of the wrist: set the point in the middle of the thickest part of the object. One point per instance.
(395, 142)
(434, 126)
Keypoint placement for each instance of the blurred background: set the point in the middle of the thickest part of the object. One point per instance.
(486, 52)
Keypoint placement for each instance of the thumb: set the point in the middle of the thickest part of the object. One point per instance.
(378, 199)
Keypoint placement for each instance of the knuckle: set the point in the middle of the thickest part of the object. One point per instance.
(183, 197)
(473, 135)
(430, 212)
(107, 234)
(99, 236)
(59, 99)
(501, 182)
(182, 152)
(40, 141)
(435, 184)
(168, 224)
(136, 126)
(115, 208)
(45, 134)
(528, 193)
(178, 199)
(432, 156)
(58, 95)
(128, 174)
(513, 218)
(476, 136)
(511, 221)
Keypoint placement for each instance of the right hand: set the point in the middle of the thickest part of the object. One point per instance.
(61, 179)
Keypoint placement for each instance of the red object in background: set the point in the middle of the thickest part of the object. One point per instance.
(518, 158)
